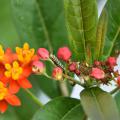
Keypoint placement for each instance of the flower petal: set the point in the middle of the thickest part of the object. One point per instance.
(27, 70)
(13, 100)
(24, 83)
(14, 87)
(4, 79)
(3, 106)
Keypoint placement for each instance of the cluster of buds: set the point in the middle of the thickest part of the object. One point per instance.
(15, 68)
(104, 71)
(99, 71)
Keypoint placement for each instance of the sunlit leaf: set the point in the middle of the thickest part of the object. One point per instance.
(99, 105)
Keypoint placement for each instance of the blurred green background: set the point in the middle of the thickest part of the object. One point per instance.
(8, 34)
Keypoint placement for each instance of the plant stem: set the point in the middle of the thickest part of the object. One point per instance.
(34, 98)
(115, 90)
(68, 78)
(63, 88)
(73, 80)
(46, 75)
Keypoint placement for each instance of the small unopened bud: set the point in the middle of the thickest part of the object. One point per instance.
(43, 53)
(64, 54)
(97, 73)
(38, 67)
(111, 61)
(72, 67)
(97, 63)
(57, 73)
(77, 72)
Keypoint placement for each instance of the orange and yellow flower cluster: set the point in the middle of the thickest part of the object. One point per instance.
(15, 68)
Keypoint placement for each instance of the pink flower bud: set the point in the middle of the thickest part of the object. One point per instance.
(43, 53)
(72, 67)
(97, 63)
(38, 67)
(97, 73)
(64, 53)
(57, 73)
(111, 61)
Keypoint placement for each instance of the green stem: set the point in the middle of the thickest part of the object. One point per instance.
(34, 98)
(63, 88)
(46, 75)
(115, 90)
(73, 80)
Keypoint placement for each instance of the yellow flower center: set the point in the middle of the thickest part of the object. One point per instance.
(1, 52)
(25, 54)
(13, 71)
(3, 91)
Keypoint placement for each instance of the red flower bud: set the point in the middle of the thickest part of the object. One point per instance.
(64, 53)
(77, 72)
(72, 67)
(97, 73)
(38, 67)
(97, 63)
(57, 73)
(111, 61)
(43, 53)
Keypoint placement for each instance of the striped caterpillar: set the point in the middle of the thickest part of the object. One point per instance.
(56, 61)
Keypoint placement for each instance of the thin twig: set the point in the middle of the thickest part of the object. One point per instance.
(73, 80)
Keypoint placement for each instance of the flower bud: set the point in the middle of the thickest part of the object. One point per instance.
(72, 67)
(57, 73)
(77, 72)
(111, 61)
(97, 63)
(64, 54)
(97, 73)
(38, 67)
(43, 53)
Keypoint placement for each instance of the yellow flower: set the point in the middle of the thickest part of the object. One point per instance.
(3, 91)
(1, 52)
(25, 54)
(13, 71)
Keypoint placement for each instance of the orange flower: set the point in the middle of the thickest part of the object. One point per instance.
(7, 98)
(7, 56)
(17, 76)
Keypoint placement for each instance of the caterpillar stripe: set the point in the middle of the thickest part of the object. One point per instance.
(56, 61)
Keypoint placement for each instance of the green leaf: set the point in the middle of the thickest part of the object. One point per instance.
(112, 41)
(61, 109)
(41, 24)
(101, 33)
(9, 115)
(117, 99)
(99, 105)
(81, 17)
(8, 34)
